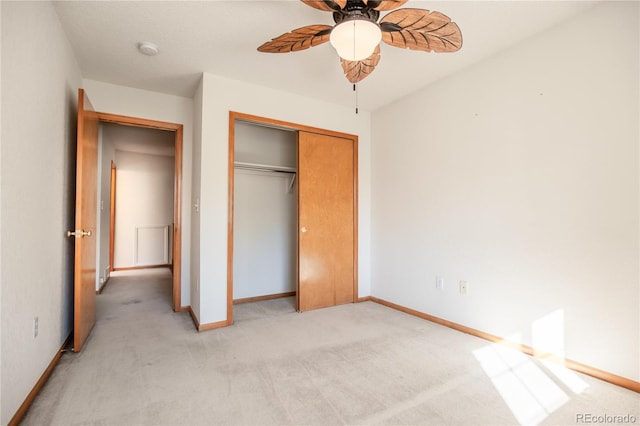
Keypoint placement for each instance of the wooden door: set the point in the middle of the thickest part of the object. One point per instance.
(84, 307)
(326, 221)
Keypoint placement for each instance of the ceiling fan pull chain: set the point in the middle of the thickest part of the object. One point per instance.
(355, 89)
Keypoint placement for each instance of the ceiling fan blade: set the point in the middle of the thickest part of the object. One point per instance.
(384, 4)
(358, 70)
(298, 39)
(419, 29)
(326, 5)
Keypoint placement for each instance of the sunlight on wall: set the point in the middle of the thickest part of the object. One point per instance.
(532, 388)
(547, 333)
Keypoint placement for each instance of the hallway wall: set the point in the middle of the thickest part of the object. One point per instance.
(106, 155)
(144, 206)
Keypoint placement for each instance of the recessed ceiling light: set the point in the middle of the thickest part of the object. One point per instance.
(147, 48)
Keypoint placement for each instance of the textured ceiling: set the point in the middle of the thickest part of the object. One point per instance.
(221, 37)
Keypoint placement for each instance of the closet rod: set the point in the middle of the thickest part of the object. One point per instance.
(267, 168)
(263, 167)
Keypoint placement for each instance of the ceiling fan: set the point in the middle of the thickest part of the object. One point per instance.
(357, 33)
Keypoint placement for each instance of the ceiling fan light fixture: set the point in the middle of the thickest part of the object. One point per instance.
(355, 39)
(357, 34)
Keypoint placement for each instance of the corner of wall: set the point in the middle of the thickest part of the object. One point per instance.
(195, 201)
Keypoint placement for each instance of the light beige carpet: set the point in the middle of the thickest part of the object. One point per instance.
(352, 364)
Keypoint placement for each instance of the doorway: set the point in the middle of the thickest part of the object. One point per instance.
(146, 238)
(323, 275)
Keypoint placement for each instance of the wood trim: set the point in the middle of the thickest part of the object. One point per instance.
(213, 325)
(364, 299)
(134, 268)
(112, 215)
(286, 125)
(597, 373)
(298, 226)
(176, 265)
(24, 407)
(104, 284)
(185, 308)
(230, 195)
(355, 218)
(137, 122)
(265, 297)
(194, 318)
(573, 365)
(208, 326)
(270, 122)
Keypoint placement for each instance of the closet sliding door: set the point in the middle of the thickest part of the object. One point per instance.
(326, 221)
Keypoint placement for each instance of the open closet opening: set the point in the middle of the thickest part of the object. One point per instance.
(265, 215)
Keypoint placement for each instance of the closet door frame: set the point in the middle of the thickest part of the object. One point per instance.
(263, 121)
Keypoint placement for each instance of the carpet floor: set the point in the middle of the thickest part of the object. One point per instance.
(356, 364)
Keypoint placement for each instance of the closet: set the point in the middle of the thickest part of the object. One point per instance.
(293, 229)
(265, 212)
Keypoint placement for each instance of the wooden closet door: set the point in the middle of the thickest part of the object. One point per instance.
(326, 224)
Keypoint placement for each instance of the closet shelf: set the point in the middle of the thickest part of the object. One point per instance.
(263, 167)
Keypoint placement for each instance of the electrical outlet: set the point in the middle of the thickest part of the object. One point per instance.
(464, 288)
(35, 327)
(439, 283)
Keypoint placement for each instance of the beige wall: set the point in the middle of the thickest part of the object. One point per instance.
(40, 79)
(194, 205)
(519, 175)
(144, 203)
(106, 154)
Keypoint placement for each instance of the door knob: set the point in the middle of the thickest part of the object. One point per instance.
(78, 233)
(303, 229)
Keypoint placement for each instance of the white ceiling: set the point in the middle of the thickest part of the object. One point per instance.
(221, 37)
